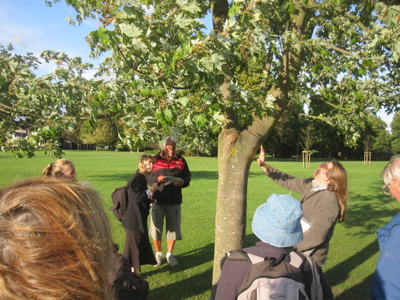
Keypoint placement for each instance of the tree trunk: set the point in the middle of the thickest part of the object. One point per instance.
(236, 152)
(230, 219)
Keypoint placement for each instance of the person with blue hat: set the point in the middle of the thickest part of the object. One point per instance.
(277, 224)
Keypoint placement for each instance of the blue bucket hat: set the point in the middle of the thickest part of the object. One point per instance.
(277, 222)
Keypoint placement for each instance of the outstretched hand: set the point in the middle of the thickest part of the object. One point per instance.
(261, 157)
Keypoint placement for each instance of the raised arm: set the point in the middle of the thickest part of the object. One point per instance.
(261, 160)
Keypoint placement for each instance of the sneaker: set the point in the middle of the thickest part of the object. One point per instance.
(172, 261)
(158, 259)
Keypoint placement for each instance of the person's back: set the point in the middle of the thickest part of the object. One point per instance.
(277, 224)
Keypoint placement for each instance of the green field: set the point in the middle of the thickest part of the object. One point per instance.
(354, 249)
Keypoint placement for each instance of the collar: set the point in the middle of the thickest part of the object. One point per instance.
(163, 155)
(318, 187)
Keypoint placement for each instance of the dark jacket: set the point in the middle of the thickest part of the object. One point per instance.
(139, 204)
(176, 167)
(234, 272)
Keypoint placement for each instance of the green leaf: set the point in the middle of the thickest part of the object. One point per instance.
(200, 120)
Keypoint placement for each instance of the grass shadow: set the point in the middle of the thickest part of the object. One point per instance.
(203, 175)
(192, 284)
(341, 272)
(368, 213)
(359, 291)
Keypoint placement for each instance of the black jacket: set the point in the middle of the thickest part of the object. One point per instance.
(176, 167)
(139, 204)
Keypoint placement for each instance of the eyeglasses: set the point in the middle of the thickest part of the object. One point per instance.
(386, 189)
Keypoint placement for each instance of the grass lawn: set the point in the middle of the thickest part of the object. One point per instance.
(354, 249)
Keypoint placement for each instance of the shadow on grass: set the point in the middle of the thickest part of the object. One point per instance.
(368, 214)
(204, 175)
(341, 272)
(191, 286)
(359, 291)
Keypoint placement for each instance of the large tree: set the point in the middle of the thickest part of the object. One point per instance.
(168, 68)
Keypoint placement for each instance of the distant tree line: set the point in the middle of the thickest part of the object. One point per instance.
(292, 135)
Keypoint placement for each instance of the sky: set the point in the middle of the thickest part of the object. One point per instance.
(31, 26)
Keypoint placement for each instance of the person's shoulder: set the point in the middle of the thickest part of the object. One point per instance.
(158, 157)
(179, 157)
(265, 250)
(325, 194)
(396, 217)
(327, 197)
(308, 180)
(394, 221)
(137, 176)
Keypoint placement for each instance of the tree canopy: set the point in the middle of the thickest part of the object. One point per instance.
(166, 66)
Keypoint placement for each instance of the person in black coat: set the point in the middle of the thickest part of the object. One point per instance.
(137, 248)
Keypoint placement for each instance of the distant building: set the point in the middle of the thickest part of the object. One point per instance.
(21, 133)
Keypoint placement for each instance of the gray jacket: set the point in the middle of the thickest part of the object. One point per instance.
(320, 208)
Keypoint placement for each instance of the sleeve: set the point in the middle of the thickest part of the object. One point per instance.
(287, 181)
(153, 178)
(232, 276)
(186, 174)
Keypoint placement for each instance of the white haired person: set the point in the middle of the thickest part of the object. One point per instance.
(277, 224)
(385, 283)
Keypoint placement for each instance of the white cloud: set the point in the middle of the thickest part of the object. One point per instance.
(20, 41)
(19, 36)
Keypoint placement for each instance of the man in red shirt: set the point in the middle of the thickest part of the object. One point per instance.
(172, 173)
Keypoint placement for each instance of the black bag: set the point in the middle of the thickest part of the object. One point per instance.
(124, 283)
(120, 202)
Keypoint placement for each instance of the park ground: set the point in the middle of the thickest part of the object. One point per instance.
(353, 251)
